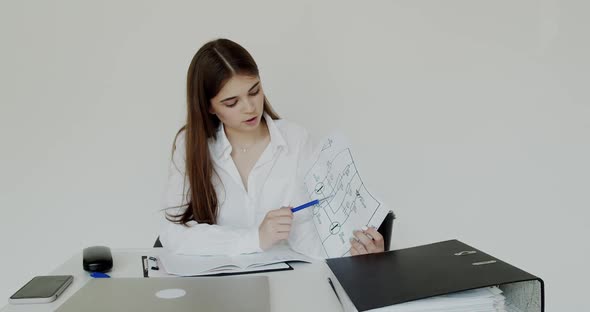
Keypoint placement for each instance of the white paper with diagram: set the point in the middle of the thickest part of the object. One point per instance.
(350, 206)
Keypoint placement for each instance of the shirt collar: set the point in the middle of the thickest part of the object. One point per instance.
(222, 149)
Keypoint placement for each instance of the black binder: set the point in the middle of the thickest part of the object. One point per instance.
(378, 280)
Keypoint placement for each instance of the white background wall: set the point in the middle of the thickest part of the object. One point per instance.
(469, 118)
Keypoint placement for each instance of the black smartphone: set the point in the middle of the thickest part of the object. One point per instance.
(42, 289)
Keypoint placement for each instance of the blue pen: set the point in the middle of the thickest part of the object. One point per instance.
(311, 203)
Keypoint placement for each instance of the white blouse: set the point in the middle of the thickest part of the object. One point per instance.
(276, 180)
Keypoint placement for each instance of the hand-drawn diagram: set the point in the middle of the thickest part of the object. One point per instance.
(350, 205)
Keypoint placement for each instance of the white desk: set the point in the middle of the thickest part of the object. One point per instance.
(305, 288)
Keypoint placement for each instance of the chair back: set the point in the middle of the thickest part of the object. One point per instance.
(386, 229)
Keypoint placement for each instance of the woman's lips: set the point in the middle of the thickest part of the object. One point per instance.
(252, 121)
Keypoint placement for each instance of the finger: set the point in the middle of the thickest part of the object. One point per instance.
(359, 247)
(283, 228)
(377, 238)
(284, 211)
(284, 220)
(366, 241)
(353, 251)
(271, 213)
(282, 235)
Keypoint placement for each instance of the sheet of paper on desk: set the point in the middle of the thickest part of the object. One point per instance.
(350, 206)
(205, 265)
(270, 267)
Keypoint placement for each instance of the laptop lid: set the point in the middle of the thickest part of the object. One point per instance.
(231, 293)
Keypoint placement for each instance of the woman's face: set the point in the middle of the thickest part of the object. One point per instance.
(239, 104)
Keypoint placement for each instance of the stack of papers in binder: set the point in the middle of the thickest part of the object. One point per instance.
(489, 299)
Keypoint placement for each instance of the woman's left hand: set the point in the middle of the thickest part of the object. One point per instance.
(366, 242)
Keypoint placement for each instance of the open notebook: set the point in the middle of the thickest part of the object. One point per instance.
(273, 259)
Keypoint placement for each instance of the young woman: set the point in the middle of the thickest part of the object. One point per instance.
(235, 170)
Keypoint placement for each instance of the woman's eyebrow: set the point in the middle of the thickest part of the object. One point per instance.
(233, 97)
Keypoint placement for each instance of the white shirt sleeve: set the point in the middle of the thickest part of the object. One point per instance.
(304, 237)
(196, 238)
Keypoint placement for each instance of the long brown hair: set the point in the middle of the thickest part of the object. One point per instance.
(212, 66)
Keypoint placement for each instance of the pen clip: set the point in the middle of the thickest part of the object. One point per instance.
(465, 253)
(153, 263)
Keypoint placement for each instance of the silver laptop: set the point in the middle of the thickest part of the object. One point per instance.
(229, 293)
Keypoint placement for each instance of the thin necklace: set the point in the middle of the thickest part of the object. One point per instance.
(246, 148)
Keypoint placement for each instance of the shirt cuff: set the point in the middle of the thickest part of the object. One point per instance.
(250, 242)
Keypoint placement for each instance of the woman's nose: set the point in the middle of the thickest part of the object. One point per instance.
(249, 106)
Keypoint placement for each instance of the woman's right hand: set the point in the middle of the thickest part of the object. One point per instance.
(275, 227)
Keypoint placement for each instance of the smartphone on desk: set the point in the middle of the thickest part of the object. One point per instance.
(42, 289)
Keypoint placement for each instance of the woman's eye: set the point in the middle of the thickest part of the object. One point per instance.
(234, 103)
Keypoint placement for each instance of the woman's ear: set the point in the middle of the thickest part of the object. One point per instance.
(211, 111)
